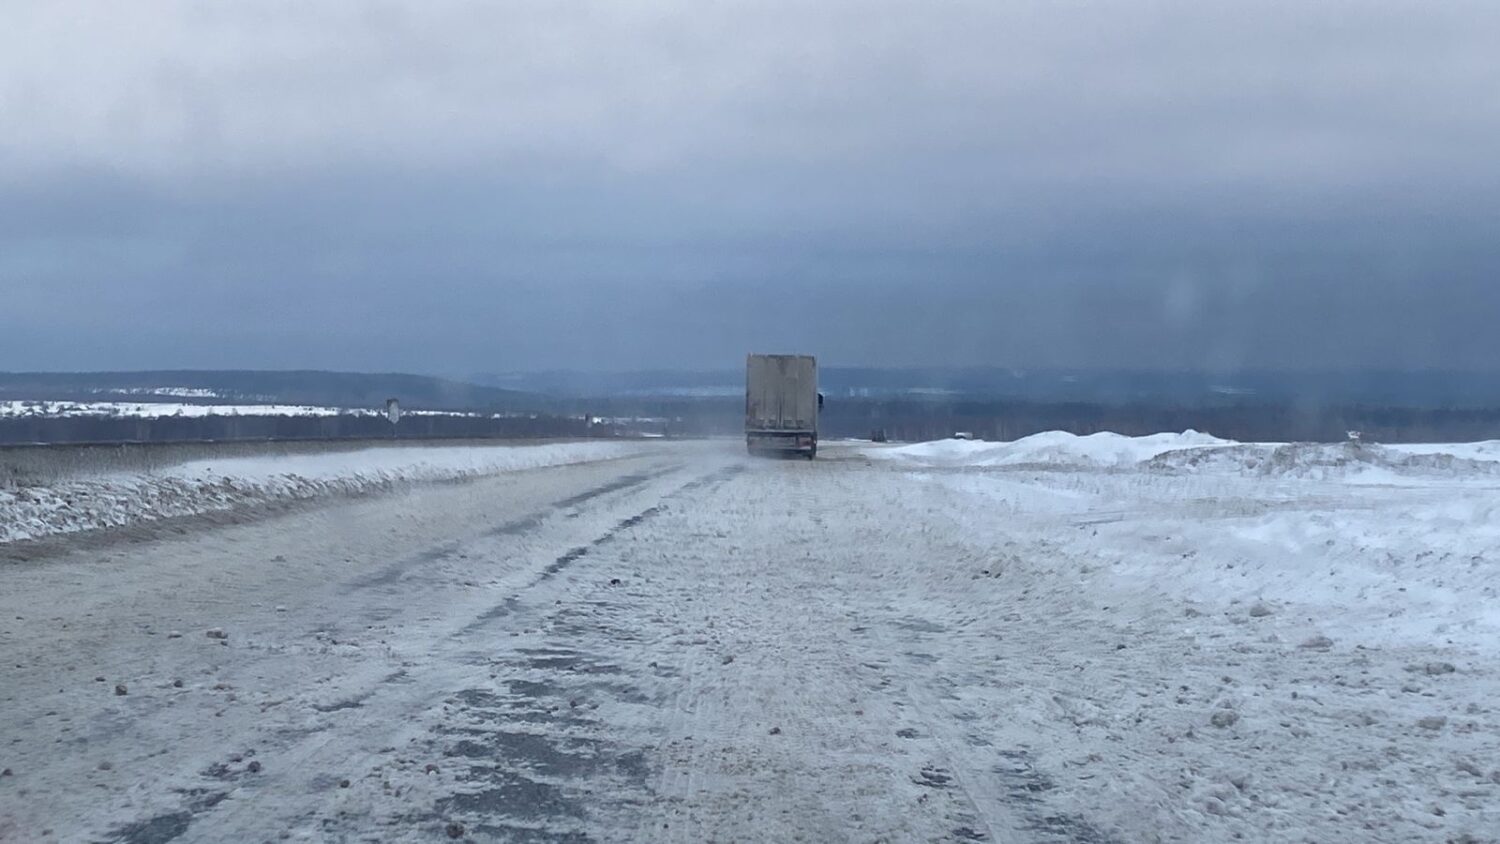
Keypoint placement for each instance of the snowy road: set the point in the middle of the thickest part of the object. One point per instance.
(693, 646)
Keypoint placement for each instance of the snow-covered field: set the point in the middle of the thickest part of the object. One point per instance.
(115, 500)
(1325, 618)
(14, 408)
(1394, 543)
(155, 409)
(1062, 639)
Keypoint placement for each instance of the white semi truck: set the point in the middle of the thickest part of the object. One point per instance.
(781, 405)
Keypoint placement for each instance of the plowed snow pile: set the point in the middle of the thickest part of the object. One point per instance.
(1199, 453)
(1353, 462)
(1488, 450)
(120, 499)
(1054, 448)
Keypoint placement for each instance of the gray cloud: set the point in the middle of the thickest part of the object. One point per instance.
(452, 187)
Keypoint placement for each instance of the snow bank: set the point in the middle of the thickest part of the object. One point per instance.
(1051, 448)
(1487, 450)
(120, 499)
(1354, 462)
(1389, 546)
(1198, 453)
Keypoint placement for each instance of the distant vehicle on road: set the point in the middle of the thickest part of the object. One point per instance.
(781, 405)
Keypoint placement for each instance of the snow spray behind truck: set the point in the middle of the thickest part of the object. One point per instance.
(782, 404)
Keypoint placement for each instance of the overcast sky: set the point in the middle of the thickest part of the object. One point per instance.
(453, 187)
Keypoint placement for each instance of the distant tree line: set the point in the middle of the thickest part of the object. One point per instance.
(916, 420)
(328, 389)
(1247, 422)
(902, 420)
(83, 429)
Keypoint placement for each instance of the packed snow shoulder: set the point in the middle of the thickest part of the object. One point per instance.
(121, 499)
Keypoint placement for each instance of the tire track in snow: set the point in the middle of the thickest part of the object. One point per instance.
(572, 555)
(784, 737)
(1023, 813)
(532, 750)
(397, 570)
(316, 748)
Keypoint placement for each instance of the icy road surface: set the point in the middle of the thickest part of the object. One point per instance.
(693, 646)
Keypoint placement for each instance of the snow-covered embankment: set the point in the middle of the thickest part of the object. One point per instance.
(118, 499)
